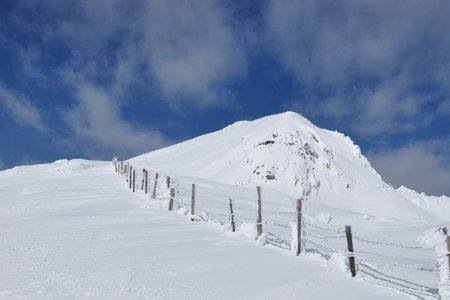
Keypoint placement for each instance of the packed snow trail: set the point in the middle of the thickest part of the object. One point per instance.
(72, 230)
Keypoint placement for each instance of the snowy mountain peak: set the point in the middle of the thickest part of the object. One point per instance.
(287, 153)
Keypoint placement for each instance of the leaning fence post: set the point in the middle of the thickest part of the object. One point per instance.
(193, 203)
(154, 186)
(172, 196)
(233, 227)
(351, 254)
(259, 218)
(168, 182)
(134, 180)
(299, 226)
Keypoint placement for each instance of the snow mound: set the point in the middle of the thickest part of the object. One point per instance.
(287, 153)
(439, 207)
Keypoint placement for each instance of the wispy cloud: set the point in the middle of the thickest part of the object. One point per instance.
(423, 166)
(188, 51)
(378, 66)
(192, 51)
(21, 109)
(96, 122)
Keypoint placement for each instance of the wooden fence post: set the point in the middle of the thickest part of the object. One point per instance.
(172, 196)
(233, 227)
(129, 175)
(448, 255)
(146, 181)
(134, 180)
(351, 254)
(259, 218)
(447, 239)
(299, 226)
(154, 186)
(168, 182)
(193, 203)
(143, 179)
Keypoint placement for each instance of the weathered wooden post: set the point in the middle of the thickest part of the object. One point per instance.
(299, 226)
(129, 175)
(154, 186)
(351, 254)
(233, 227)
(172, 196)
(146, 181)
(143, 179)
(168, 182)
(193, 203)
(259, 217)
(448, 255)
(447, 239)
(134, 180)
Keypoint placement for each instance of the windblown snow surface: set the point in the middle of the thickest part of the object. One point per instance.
(74, 230)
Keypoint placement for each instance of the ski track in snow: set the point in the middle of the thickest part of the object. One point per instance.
(73, 230)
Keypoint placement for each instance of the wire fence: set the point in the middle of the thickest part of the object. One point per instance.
(377, 261)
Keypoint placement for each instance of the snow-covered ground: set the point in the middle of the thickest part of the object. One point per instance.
(73, 229)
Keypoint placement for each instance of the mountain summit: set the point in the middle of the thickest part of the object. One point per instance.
(288, 153)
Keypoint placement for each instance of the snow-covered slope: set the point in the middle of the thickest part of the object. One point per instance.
(288, 153)
(439, 207)
(73, 230)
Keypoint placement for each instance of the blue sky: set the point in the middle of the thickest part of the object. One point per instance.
(97, 78)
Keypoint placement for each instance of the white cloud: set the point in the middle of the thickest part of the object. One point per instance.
(423, 166)
(21, 109)
(97, 125)
(384, 60)
(192, 51)
(188, 51)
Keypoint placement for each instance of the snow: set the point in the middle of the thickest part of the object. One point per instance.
(439, 207)
(73, 229)
(304, 159)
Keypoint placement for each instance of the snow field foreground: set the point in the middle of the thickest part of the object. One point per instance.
(387, 251)
(72, 230)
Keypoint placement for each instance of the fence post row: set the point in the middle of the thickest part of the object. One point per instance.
(299, 226)
(259, 217)
(351, 254)
(193, 203)
(127, 172)
(233, 227)
(154, 186)
(172, 196)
